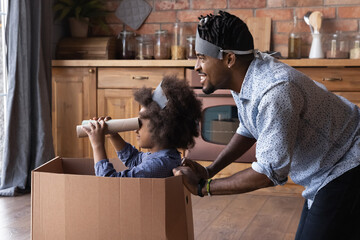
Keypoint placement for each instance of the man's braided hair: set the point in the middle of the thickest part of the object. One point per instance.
(226, 31)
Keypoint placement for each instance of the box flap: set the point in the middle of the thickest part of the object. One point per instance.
(80, 166)
(53, 166)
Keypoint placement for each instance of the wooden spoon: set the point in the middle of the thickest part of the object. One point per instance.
(315, 20)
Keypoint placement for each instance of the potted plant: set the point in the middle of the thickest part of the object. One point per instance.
(81, 14)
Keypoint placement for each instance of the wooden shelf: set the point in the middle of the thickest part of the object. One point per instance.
(305, 62)
(123, 63)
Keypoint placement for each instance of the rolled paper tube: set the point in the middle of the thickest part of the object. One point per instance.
(113, 126)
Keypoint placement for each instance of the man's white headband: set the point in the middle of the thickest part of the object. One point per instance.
(207, 48)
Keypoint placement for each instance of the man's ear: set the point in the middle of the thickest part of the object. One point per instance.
(230, 59)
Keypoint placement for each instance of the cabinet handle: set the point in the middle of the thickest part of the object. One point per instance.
(91, 70)
(140, 78)
(332, 79)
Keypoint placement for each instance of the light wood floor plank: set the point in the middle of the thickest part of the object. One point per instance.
(207, 210)
(235, 218)
(15, 217)
(272, 220)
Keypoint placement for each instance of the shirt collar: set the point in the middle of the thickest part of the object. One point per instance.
(246, 89)
(165, 152)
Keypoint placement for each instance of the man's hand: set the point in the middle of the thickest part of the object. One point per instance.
(197, 168)
(190, 179)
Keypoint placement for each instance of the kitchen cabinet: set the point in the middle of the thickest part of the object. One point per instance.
(83, 89)
(119, 104)
(73, 100)
(86, 88)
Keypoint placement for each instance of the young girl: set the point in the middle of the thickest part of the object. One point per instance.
(168, 120)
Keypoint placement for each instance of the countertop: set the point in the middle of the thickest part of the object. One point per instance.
(304, 62)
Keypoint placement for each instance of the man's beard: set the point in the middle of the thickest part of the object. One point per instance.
(209, 89)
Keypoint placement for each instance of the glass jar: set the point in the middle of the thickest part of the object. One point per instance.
(161, 45)
(125, 45)
(294, 44)
(337, 46)
(355, 47)
(178, 43)
(145, 47)
(190, 47)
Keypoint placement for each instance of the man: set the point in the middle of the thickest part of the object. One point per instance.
(301, 130)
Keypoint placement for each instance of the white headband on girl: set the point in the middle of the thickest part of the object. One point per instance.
(159, 97)
(209, 49)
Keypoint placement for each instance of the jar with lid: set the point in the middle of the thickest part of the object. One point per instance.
(355, 47)
(337, 46)
(294, 44)
(190, 47)
(125, 45)
(178, 43)
(161, 45)
(145, 47)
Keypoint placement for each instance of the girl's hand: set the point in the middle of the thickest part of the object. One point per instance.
(107, 118)
(96, 133)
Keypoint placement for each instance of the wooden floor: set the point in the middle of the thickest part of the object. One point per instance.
(264, 214)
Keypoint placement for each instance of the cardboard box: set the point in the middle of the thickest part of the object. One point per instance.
(69, 202)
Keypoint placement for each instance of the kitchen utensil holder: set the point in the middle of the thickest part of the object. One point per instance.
(316, 50)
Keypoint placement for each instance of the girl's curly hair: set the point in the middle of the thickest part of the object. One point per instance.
(177, 124)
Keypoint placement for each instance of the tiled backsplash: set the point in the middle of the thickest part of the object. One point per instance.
(337, 16)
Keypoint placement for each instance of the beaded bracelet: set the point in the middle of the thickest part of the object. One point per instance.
(208, 187)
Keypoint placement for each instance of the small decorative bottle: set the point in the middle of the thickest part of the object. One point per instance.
(294, 44)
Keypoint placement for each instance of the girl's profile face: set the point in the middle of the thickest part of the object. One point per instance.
(143, 135)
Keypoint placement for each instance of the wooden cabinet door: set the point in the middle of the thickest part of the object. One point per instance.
(351, 96)
(118, 104)
(74, 100)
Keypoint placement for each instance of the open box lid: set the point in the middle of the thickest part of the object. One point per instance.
(80, 166)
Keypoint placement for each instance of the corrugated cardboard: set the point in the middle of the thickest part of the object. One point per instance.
(69, 202)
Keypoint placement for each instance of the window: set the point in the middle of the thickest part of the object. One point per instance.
(3, 77)
(219, 124)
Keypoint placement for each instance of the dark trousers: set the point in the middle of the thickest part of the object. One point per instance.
(335, 212)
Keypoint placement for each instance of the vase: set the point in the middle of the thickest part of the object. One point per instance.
(79, 27)
(316, 50)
